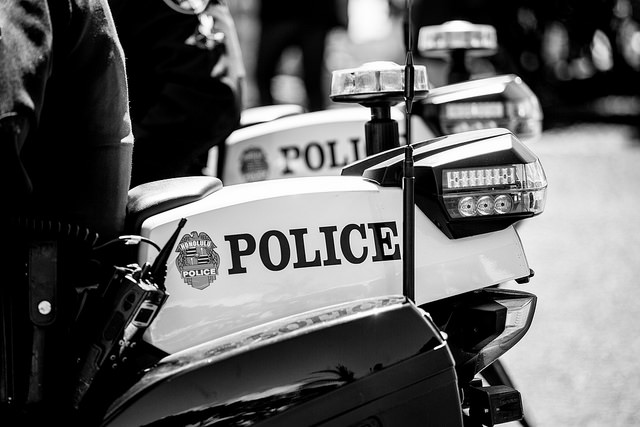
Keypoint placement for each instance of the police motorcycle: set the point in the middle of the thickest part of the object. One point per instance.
(379, 298)
(319, 143)
(362, 306)
(303, 143)
(372, 302)
(376, 300)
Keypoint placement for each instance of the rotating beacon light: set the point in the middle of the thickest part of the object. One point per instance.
(456, 41)
(464, 103)
(378, 85)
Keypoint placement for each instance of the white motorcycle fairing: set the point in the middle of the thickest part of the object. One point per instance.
(308, 144)
(266, 250)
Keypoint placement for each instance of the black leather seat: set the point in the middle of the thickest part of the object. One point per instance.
(151, 198)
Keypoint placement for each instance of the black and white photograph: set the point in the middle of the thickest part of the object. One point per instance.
(337, 213)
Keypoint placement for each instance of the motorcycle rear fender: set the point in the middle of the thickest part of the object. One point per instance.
(374, 359)
(253, 253)
(309, 144)
(520, 109)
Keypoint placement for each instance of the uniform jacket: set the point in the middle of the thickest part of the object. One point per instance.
(65, 133)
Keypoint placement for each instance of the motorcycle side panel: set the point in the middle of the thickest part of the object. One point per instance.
(309, 144)
(376, 360)
(257, 252)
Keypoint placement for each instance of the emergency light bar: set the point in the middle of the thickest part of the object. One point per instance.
(438, 40)
(378, 81)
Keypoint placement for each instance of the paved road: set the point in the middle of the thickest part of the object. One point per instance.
(579, 365)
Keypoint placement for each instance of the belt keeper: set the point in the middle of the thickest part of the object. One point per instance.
(43, 277)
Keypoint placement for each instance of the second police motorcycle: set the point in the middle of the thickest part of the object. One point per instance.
(371, 297)
(323, 142)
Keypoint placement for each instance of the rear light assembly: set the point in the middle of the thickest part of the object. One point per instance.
(494, 191)
(468, 183)
(518, 308)
(481, 326)
(503, 101)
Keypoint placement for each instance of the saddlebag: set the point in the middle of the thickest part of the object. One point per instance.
(372, 362)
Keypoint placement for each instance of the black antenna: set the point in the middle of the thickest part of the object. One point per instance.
(408, 225)
(409, 73)
(408, 175)
(159, 268)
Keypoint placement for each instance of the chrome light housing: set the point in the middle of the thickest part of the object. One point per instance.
(436, 41)
(375, 82)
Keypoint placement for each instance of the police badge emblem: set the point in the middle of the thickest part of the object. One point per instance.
(254, 165)
(197, 260)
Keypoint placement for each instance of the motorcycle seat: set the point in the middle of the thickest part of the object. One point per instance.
(151, 198)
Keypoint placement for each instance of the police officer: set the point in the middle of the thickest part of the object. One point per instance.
(66, 146)
(185, 83)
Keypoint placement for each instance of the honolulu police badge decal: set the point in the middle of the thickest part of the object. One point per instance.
(254, 165)
(197, 261)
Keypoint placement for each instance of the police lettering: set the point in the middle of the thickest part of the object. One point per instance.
(201, 272)
(317, 156)
(354, 244)
(194, 244)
